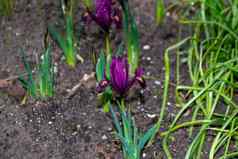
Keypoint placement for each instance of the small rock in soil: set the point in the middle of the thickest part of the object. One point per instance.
(146, 47)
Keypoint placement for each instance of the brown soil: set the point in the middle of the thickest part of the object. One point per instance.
(77, 128)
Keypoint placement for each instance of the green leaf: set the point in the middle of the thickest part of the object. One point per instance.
(150, 133)
(120, 50)
(160, 11)
(57, 37)
(116, 121)
(133, 46)
(109, 59)
(106, 107)
(100, 67)
(88, 3)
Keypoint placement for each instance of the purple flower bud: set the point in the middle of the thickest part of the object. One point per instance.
(119, 73)
(104, 14)
(120, 80)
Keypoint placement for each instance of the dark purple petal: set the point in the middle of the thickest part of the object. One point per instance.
(102, 85)
(119, 74)
(103, 13)
(139, 77)
(117, 18)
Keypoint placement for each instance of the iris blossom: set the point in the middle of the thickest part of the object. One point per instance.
(104, 14)
(119, 74)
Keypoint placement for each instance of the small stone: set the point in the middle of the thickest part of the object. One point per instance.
(142, 109)
(148, 58)
(157, 83)
(144, 155)
(104, 137)
(148, 73)
(50, 122)
(146, 47)
(151, 115)
(167, 14)
(74, 133)
(55, 69)
(169, 104)
(78, 126)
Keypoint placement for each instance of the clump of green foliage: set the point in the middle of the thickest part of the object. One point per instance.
(132, 141)
(6, 7)
(212, 59)
(66, 42)
(39, 83)
(159, 11)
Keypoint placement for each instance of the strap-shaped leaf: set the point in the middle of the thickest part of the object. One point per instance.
(160, 11)
(58, 38)
(100, 67)
(133, 46)
(116, 121)
(151, 132)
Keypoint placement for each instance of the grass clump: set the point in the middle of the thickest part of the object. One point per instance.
(39, 83)
(212, 60)
(6, 7)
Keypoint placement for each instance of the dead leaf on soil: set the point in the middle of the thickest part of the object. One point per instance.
(89, 81)
(4, 83)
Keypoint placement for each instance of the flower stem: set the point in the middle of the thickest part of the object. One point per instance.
(107, 44)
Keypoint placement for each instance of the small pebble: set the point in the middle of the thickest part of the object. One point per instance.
(55, 69)
(148, 73)
(151, 115)
(167, 14)
(50, 122)
(109, 129)
(157, 83)
(146, 47)
(78, 126)
(148, 58)
(144, 155)
(142, 109)
(104, 137)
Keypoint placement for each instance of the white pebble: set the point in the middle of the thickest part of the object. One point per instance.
(148, 58)
(146, 47)
(144, 155)
(104, 137)
(157, 83)
(151, 115)
(167, 14)
(78, 127)
(50, 122)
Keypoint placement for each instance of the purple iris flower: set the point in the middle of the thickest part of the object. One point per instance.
(104, 14)
(119, 74)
